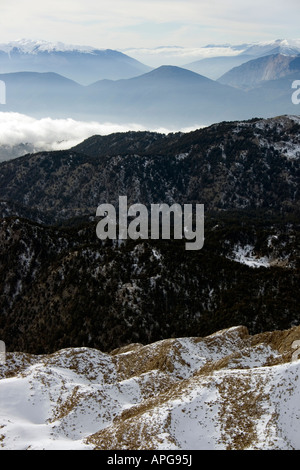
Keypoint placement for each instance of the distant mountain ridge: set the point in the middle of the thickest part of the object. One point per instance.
(283, 46)
(29, 46)
(212, 60)
(216, 66)
(80, 63)
(256, 71)
(169, 96)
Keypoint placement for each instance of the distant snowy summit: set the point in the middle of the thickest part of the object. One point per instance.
(178, 55)
(88, 64)
(84, 64)
(282, 46)
(288, 46)
(29, 46)
(213, 60)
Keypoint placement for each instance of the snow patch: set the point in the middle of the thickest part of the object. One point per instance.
(246, 255)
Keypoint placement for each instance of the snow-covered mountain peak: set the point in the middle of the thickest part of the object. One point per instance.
(29, 46)
(284, 46)
(84, 64)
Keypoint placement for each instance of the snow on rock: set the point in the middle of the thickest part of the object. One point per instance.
(228, 390)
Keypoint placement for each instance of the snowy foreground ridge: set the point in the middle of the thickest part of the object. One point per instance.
(229, 390)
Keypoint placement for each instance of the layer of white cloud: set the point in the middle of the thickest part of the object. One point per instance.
(173, 55)
(59, 134)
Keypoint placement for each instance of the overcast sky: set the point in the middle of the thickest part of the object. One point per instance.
(120, 24)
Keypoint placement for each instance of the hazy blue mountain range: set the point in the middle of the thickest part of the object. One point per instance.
(87, 64)
(167, 96)
(40, 93)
